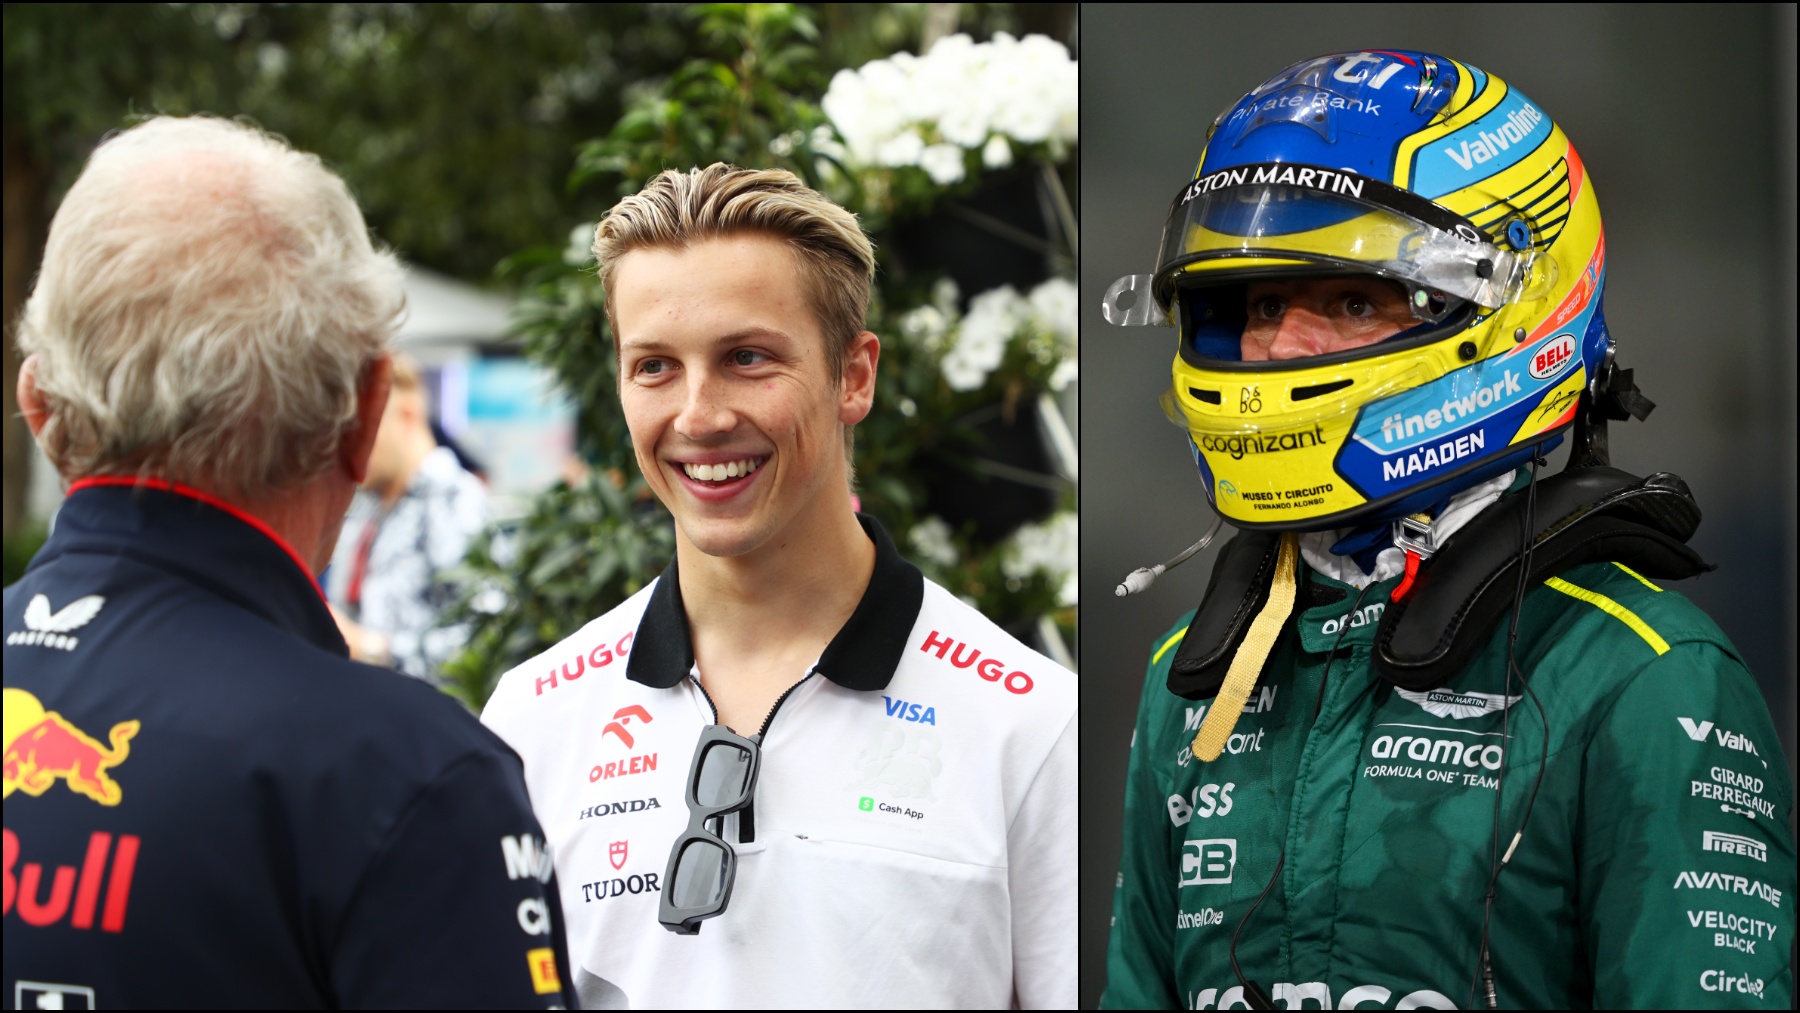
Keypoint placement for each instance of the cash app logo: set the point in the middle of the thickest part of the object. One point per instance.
(866, 804)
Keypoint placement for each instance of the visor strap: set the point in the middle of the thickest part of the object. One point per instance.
(1247, 664)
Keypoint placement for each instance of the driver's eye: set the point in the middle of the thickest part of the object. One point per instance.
(1268, 307)
(651, 367)
(1358, 305)
(743, 357)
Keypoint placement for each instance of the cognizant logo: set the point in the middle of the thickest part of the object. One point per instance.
(1238, 446)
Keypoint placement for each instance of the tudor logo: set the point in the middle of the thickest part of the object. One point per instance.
(616, 853)
(1553, 356)
(621, 718)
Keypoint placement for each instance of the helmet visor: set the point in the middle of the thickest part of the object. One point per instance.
(1312, 217)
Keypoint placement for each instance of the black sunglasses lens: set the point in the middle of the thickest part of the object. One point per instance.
(724, 775)
(699, 875)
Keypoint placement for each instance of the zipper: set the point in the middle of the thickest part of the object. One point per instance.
(747, 815)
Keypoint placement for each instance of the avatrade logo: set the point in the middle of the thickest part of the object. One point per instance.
(1552, 357)
(897, 708)
(1209, 861)
(1690, 880)
(44, 629)
(23, 885)
(631, 805)
(1698, 731)
(991, 669)
(623, 717)
(600, 657)
(1734, 844)
(1446, 703)
(42, 746)
(527, 857)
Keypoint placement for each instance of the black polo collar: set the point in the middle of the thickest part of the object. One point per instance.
(862, 656)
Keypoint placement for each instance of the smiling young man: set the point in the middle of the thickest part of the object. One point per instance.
(900, 830)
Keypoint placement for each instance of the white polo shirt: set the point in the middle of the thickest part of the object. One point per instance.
(914, 830)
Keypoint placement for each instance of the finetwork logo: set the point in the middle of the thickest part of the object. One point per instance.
(46, 629)
(1734, 844)
(1209, 861)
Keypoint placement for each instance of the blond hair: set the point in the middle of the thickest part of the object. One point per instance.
(208, 304)
(676, 209)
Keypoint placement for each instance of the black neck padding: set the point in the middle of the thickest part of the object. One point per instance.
(1463, 591)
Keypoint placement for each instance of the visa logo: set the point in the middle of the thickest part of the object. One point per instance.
(916, 713)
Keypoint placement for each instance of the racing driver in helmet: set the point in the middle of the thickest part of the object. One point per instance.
(1436, 736)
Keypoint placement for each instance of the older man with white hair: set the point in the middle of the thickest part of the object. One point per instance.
(207, 802)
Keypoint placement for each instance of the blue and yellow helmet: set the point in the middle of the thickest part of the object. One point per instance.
(1405, 166)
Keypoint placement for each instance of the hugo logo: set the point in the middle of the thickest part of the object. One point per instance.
(601, 656)
(991, 669)
(1552, 356)
(620, 718)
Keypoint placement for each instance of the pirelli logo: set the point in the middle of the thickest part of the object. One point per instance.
(544, 979)
(1734, 844)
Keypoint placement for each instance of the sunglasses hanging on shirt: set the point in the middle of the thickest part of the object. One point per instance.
(702, 866)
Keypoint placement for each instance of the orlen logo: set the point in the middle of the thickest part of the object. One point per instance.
(600, 657)
(991, 669)
(24, 887)
(42, 746)
(1553, 356)
(621, 718)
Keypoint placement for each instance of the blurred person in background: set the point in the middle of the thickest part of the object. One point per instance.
(411, 521)
(1434, 737)
(879, 809)
(207, 803)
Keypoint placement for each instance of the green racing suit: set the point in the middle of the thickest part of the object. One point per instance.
(1656, 868)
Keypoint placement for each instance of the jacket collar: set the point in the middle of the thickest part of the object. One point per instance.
(862, 656)
(198, 538)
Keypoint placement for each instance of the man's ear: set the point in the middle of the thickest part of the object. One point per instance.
(858, 393)
(31, 402)
(371, 400)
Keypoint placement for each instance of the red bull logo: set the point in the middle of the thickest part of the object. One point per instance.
(44, 895)
(42, 746)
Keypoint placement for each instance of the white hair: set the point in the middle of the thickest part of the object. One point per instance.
(208, 304)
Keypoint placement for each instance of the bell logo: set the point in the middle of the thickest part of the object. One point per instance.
(621, 718)
(1553, 356)
(616, 853)
(1210, 861)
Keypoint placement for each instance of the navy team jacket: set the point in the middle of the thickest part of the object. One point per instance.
(209, 805)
